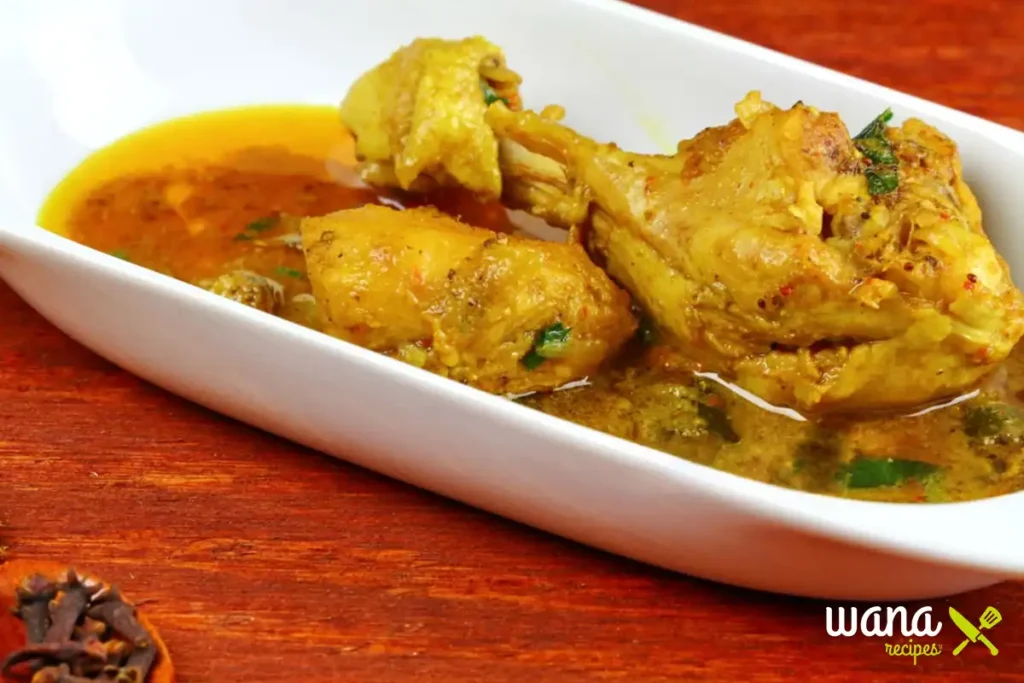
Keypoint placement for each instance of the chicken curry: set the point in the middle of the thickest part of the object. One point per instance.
(779, 299)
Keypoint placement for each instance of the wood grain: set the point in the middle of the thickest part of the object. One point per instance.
(268, 562)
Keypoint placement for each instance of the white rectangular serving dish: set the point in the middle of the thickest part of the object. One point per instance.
(78, 75)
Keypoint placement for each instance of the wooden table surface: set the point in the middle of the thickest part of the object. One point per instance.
(268, 562)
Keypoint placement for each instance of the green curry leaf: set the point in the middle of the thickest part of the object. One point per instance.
(882, 180)
(864, 472)
(551, 342)
(532, 360)
(256, 227)
(647, 332)
(872, 142)
(289, 272)
(490, 96)
(876, 128)
(993, 421)
(262, 224)
(717, 422)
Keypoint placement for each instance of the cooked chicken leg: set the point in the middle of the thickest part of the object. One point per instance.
(771, 251)
(418, 118)
(504, 314)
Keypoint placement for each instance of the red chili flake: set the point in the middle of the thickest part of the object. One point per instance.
(970, 281)
(908, 266)
(944, 216)
(713, 401)
(785, 290)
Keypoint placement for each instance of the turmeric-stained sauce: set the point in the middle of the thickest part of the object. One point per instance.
(219, 200)
(208, 196)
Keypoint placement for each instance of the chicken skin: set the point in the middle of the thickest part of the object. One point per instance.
(503, 314)
(814, 269)
(418, 118)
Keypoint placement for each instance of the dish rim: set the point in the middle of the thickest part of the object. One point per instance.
(1004, 134)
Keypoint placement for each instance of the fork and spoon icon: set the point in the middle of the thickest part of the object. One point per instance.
(989, 618)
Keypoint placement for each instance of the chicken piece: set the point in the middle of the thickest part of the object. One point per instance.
(248, 288)
(418, 118)
(770, 250)
(501, 313)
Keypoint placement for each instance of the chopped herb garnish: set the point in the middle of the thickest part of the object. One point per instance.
(995, 432)
(490, 97)
(121, 254)
(262, 224)
(717, 422)
(993, 422)
(533, 359)
(864, 473)
(647, 332)
(882, 180)
(877, 126)
(550, 342)
(815, 458)
(872, 142)
(705, 385)
(257, 226)
(289, 272)
(711, 410)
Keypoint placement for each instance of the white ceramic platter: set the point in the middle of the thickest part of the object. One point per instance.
(77, 75)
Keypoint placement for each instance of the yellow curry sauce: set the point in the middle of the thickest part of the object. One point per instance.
(206, 195)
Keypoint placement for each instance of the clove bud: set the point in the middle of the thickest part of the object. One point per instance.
(79, 630)
(33, 605)
(77, 593)
(111, 608)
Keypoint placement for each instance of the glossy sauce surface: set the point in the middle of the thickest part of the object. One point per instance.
(214, 193)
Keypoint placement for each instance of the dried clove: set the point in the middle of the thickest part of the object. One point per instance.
(77, 593)
(67, 651)
(51, 674)
(59, 674)
(91, 627)
(137, 667)
(33, 605)
(110, 607)
(80, 630)
(73, 678)
(118, 652)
